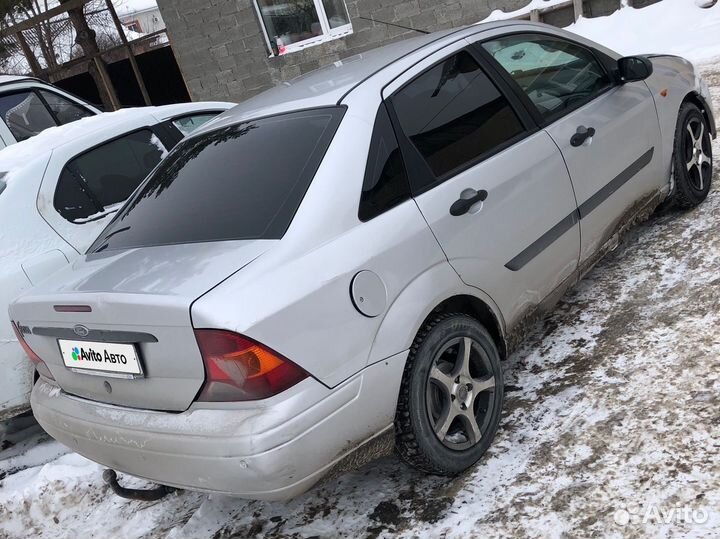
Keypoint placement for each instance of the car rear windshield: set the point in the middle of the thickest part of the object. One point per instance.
(244, 181)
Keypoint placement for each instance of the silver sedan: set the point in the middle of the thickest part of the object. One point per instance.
(338, 266)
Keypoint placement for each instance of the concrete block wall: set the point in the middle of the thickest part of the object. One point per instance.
(222, 54)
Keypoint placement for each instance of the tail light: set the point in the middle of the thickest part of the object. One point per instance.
(40, 365)
(240, 369)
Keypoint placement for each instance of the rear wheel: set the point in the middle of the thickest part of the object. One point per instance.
(451, 396)
(692, 157)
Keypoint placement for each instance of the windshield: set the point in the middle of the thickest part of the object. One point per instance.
(240, 182)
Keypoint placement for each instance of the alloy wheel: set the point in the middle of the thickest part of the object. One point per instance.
(698, 154)
(460, 393)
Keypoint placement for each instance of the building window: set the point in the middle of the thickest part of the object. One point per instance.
(290, 25)
(134, 26)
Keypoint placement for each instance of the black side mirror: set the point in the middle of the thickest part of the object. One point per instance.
(633, 68)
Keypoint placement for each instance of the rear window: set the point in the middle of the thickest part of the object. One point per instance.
(239, 182)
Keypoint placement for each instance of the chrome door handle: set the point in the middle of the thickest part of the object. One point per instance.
(463, 204)
(581, 135)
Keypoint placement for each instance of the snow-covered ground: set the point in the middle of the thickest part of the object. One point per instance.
(611, 429)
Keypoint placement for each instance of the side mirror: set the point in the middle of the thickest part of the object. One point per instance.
(634, 68)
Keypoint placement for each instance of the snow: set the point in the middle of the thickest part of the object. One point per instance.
(677, 27)
(610, 423)
(128, 7)
(669, 27)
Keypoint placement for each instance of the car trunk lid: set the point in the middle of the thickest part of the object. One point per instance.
(140, 297)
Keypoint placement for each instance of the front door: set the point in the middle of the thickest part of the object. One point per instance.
(493, 189)
(608, 132)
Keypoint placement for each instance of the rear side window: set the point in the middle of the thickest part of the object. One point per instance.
(97, 181)
(385, 184)
(64, 110)
(454, 115)
(244, 181)
(25, 114)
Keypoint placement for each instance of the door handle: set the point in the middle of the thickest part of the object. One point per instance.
(581, 135)
(468, 198)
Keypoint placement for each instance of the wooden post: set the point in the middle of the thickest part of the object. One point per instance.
(107, 83)
(131, 55)
(34, 64)
(578, 8)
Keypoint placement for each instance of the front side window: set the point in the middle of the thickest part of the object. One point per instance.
(239, 182)
(557, 75)
(454, 115)
(100, 180)
(25, 114)
(64, 110)
(291, 24)
(188, 124)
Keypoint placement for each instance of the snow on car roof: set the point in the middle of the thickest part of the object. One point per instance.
(39, 146)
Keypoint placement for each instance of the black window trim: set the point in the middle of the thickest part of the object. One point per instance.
(602, 59)
(416, 165)
(70, 166)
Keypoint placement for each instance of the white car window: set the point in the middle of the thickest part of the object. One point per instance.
(64, 110)
(188, 124)
(25, 114)
(98, 181)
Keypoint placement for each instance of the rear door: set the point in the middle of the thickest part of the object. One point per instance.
(493, 188)
(608, 132)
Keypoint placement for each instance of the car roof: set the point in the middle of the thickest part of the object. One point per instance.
(7, 79)
(39, 146)
(330, 84)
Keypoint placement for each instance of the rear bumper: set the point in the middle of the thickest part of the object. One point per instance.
(271, 449)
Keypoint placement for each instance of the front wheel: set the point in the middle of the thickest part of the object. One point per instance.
(692, 157)
(451, 396)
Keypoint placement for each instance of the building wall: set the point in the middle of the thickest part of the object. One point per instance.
(222, 52)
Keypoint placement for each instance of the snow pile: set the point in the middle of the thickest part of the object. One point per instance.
(677, 27)
(499, 15)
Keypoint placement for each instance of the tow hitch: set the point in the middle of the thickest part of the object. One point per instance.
(148, 495)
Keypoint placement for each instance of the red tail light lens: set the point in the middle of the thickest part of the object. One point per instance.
(40, 365)
(240, 369)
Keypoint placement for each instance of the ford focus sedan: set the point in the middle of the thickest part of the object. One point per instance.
(338, 266)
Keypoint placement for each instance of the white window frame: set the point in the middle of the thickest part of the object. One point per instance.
(328, 34)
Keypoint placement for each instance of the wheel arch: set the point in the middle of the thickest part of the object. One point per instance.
(476, 308)
(699, 101)
(437, 290)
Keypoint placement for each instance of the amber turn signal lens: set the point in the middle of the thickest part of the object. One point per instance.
(240, 369)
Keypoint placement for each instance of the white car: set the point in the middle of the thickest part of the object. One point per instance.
(57, 192)
(28, 106)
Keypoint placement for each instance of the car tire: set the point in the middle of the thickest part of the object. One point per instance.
(443, 387)
(692, 158)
